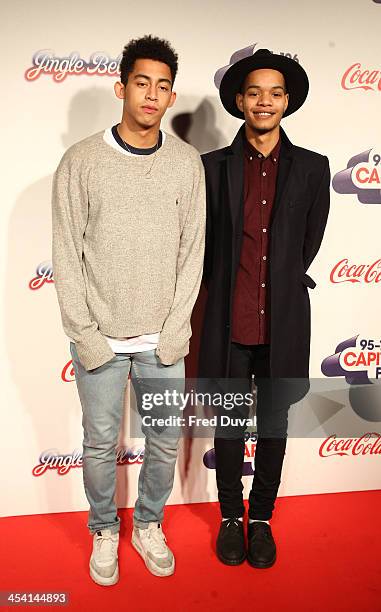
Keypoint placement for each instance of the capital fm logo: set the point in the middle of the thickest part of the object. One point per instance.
(251, 438)
(362, 177)
(62, 464)
(59, 67)
(358, 360)
(346, 272)
(246, 52)
(44, 274)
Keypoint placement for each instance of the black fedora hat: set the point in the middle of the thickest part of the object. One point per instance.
(295, 76)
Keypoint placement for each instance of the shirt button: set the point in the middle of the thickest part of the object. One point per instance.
(264, 201)
(264, 230)
(259, 155)
(263, 284)
(264, 257)
(263, 173)
(250, 157)
(262, 312)
(275, 159)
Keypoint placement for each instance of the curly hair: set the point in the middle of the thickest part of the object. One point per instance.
(148, 47)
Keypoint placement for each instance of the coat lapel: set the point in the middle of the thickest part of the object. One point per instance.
(234, 165)
(286, 160)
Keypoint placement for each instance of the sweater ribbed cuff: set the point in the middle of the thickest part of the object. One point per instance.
(94, 350)
(170, 352)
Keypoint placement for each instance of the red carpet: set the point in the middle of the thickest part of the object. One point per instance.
(328, 560)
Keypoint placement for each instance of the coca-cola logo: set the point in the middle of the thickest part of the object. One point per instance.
(251, 438)
(45, 61)
(44, 274)
(368, 444)
(52, 460)
(344, 272)
(362, 177)
(357, 77)
(241, 54)
(68, 374)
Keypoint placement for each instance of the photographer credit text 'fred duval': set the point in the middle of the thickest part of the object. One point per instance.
(193, 420)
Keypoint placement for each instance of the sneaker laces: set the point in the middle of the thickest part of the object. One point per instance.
(232, 521)
(106, 543)
(154, 537)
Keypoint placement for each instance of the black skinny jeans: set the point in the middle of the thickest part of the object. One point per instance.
(272, 419)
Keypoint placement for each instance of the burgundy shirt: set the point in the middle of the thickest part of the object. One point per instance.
(251, 313)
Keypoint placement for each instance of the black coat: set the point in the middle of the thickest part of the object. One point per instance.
(298, 221)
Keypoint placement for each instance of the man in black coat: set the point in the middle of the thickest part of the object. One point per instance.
(267, 207)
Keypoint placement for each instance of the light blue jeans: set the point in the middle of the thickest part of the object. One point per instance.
(101, 392)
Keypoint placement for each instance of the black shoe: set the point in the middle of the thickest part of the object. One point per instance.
(231, 542)
(261, 546)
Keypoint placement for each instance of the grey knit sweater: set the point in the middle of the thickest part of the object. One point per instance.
(128, 245)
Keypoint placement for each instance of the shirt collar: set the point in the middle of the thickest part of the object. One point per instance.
(251, 151)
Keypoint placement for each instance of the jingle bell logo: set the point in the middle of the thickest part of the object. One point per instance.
(368, 444)
(46, 62)
(209, 459)
(52, 460)
(346, 272)
(44, 274)
(362, 177)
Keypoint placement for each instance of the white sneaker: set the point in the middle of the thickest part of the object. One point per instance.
(104, 568)
(151, 545)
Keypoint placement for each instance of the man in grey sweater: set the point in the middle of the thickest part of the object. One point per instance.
(128, 244)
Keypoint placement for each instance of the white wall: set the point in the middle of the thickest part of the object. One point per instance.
(41, 118)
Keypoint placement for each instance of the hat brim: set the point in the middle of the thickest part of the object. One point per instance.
(296, 79)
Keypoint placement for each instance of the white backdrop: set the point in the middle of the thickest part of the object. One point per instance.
(336, 42)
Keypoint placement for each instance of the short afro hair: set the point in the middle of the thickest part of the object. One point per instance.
(148, 47)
